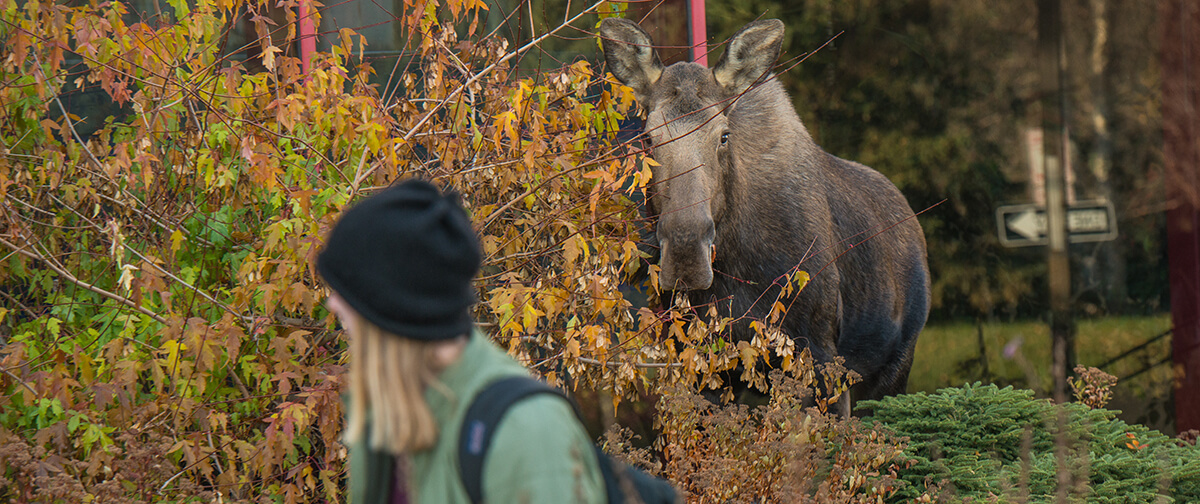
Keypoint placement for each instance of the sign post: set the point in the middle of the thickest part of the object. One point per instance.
(1052, 70)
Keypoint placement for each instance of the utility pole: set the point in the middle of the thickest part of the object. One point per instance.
(1052, 72)
(1180, 63)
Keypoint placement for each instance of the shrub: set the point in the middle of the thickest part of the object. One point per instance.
(783, 451)
(157, 280)
(1000, 444)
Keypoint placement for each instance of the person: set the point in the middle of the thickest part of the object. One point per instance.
(400, 265)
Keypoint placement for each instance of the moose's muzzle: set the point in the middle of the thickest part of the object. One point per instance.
(687, 254)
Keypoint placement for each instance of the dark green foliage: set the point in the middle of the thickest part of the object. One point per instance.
(990, 443)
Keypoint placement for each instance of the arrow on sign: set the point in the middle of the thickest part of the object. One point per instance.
(1028, 224)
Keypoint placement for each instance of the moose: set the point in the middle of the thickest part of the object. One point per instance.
(743, 195)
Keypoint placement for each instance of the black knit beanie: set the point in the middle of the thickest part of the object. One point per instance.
(404, 260)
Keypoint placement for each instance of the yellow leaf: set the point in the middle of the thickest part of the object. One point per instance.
(788, 362)
(373, 141)
(529, 317)
(598, 174)
(178, 445)
(268, 56)
(571, 250)
(127, 276)
(87, 373)
(800, 279)
(641, 179)
(688, 357)
(629, 251)
(173, 348)
(747, 353)
(676, 330)
(594, 335)
(777, 309)
(593, 200)
(654, 269)
(177, 239)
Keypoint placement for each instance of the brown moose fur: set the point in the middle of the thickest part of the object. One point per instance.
(744, 195)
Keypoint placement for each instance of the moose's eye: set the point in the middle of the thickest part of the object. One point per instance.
(724, 138)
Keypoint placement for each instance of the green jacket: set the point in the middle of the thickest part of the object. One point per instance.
(540, 452)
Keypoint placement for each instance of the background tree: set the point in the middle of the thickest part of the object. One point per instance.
(937, 95)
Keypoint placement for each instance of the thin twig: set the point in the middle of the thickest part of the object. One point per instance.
(66, 116)
(83, 145)
(71, 278)
(595, 362)
(22, 382)
(245, 318)
(493, 66)
(359, 175)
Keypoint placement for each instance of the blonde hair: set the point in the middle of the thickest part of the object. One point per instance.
(387, 379)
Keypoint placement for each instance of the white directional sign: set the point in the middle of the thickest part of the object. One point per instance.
(1087, 221)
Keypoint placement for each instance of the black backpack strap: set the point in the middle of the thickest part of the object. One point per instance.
(614, 481)
(482, 418)
(622, 484)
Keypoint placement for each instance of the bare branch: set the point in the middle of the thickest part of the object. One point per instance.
(71, 278)
(22, 382)
(168, 274)
(639, 364)
(67, 117)
(533, 43)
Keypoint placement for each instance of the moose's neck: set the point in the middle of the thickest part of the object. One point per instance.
(766, 116)
(774, 159)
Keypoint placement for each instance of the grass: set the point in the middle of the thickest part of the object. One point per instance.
(948, 355)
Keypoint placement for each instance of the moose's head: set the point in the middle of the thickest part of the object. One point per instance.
(688, 125)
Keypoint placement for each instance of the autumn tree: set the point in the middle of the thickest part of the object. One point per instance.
(164, 332)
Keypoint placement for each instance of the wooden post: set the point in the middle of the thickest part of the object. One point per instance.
(1055, 138)
(1179, 24)
(697, 32)
(307, 30)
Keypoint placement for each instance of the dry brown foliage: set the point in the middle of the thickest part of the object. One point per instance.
(790, 449)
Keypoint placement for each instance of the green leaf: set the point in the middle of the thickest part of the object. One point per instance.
(181, 8)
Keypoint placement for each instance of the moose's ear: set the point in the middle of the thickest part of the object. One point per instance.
(750, 55)
(630, 55)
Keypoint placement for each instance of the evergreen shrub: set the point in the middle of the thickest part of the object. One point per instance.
(994, 444)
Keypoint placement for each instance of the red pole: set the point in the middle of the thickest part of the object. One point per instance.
(308, 35)
(1180, 58)
(697, 35)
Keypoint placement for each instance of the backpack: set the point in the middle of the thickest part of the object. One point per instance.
(622, 483)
